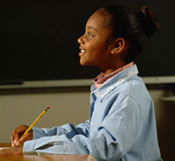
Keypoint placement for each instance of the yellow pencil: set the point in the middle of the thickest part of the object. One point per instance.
(34, 122)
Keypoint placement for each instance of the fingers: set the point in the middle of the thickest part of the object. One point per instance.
(16, 135)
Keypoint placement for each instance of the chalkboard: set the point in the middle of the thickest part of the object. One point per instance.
(39, 39)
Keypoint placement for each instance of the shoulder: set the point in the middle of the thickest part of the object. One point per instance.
(134, 90)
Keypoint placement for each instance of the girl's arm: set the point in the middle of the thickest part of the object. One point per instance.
(68, 129)
(113, 139)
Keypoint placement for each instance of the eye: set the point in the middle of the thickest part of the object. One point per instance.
(89, 34)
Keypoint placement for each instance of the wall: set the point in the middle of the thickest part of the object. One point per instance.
(23, 108)
(72, 105)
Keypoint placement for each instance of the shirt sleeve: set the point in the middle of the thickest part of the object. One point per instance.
(82, 128)
(116, 134)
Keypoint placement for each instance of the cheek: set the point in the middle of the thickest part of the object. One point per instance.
(94, 53)
(98, 51)
(95, 48)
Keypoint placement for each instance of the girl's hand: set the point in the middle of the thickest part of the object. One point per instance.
(17, 133)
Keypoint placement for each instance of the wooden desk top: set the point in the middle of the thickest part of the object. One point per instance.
(5, 145)
(45, 157)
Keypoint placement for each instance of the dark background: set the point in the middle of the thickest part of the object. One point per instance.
(39, 39)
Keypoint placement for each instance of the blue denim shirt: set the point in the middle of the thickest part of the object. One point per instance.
(121, 126)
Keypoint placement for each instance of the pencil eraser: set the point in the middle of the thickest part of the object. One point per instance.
(48, 107)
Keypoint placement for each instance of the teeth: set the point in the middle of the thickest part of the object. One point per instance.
(83, 51)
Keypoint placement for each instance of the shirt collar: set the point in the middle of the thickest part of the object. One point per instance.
(100, 79)
(114, 82)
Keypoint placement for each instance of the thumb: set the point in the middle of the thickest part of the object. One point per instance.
(27, 136)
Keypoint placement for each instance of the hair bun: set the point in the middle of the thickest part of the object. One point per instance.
(148, 20)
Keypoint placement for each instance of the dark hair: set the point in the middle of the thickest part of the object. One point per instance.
(134, 25)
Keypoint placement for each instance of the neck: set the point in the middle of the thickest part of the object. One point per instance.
(107, 71)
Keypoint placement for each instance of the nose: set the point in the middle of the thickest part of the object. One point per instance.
(80, 39)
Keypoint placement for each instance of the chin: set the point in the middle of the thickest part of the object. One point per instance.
(83, 63)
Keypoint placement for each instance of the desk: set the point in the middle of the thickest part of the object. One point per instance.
(168, 99)
(45, 157)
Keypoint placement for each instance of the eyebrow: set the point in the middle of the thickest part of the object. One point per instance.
(90, 27)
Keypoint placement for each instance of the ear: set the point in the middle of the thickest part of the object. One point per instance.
(119, 46)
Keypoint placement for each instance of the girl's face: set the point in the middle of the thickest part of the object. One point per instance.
(95, 46)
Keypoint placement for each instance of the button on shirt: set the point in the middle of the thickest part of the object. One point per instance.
(121, 126)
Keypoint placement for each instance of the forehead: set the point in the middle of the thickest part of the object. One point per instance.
(98, 20)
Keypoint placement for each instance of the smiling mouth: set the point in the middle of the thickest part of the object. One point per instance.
(82, 52)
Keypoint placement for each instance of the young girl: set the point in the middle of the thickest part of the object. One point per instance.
(122, 124)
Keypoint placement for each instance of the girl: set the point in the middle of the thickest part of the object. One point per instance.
(122, 124)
